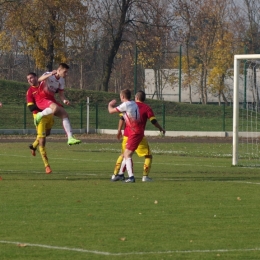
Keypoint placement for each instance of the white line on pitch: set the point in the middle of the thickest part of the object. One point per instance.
(131, 253)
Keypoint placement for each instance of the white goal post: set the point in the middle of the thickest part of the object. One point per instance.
(236, 101)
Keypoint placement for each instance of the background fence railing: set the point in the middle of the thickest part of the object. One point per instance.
(187, 118)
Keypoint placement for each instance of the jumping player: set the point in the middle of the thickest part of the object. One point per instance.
(44, 126)
(131, 115)
(51, 83)
(143, 149)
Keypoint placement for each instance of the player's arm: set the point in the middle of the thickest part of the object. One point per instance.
(47, 75)
(111, 108)
(121, 124)
(63, 98)
(157, 125)
(33, 107)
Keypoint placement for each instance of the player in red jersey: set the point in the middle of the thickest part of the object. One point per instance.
(52, 83)
(44, 127)
(131, 115)
(143, 149)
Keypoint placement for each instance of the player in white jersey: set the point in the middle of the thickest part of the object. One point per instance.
(136, 130)
(51, 83)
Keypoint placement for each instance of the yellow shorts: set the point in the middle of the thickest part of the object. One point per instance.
(142, 149)
(45, 124)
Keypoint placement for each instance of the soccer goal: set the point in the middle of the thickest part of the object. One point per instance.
(246, 110)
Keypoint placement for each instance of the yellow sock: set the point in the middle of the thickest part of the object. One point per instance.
(35, 143)
(147, 166)
(44, 155)
(118, 164)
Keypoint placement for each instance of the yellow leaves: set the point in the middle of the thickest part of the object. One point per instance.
(5, 41)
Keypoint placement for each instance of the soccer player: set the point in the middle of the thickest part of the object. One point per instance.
(44, 126)
(51, 83)
(143, 149)
(131, 115)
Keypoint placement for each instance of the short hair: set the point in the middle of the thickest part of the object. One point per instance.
(140, 95)
(64, 66)
(32, 73)
(126, 93)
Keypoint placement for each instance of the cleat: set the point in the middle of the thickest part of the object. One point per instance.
(48, 170)
(73, 141)
(131, 179)
(118, 177)
(37, 119)
(33, 150)
(146, 179)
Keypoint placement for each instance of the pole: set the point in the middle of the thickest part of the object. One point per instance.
(87, 115)
(235, 112)
(24, 116)
(180, 65)
(135, 69)
(245, 80)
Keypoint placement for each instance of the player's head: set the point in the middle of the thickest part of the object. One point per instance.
(140, 96)
(63, 69)
(32, 79)
(125, 94)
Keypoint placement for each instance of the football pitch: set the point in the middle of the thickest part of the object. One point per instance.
(197, 207)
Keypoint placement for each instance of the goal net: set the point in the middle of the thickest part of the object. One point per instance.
(246, 110)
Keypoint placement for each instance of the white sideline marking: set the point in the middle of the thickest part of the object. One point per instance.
(131, 253)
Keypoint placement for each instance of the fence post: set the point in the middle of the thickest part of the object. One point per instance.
(81, 115)
(180, 67)
(224, 118)
(163, 112)
(87, 115)
(96, 116)
(24, 116)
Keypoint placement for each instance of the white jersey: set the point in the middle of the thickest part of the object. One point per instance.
(131, 115)
(52, 84)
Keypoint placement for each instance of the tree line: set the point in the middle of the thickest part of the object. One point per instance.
(98, 39)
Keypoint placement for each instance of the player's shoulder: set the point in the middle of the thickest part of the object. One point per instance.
(31, 89)
(143, 105)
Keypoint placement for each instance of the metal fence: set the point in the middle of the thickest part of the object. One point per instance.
(94, 116)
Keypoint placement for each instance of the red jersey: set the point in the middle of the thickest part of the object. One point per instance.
(30, 97)
(48, 88)
(132, 118)
(145, 112)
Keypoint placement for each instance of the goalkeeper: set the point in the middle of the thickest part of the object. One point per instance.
(143, 149)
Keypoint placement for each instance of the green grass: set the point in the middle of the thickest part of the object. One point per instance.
(204, 204)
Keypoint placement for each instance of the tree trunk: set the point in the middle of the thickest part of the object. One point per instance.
(115, 46)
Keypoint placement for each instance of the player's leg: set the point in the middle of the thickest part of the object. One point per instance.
(143, 150)
(119, 170)
(53, 107)
(132, 144)
(34, 145)
(129, 165)
(45, 106)
(42, 141)
(147, 167)
(61, 113)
